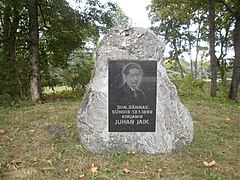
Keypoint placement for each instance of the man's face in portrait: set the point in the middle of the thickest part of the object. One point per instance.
(133, 78)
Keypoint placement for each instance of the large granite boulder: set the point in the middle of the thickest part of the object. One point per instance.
(174, 125)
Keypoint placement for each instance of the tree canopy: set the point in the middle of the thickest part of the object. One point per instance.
(61, 30)
(184, 24)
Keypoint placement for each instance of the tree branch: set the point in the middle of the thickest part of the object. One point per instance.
(44, 20)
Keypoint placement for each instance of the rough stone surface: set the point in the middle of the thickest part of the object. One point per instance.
(174, 125)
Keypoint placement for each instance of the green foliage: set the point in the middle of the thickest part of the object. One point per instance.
(62, 30)
(172, 21)
(198, 89)
(185, 24)
(77, 72)
(64, 93)
(190, 86)
(172, 67)
(79, 69)
(68, 31)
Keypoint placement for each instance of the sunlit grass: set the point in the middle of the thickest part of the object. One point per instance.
(56, 89)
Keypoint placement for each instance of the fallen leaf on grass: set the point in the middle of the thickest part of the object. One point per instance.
(2, 131)
(75, 173)
(227, 120)
(161, 175)
(142, 172)
(82, 176)
(133, 152)
(204, 123)
(70, 126)
(32, 130)
(15, 161)
(126, 171)
(34, 159)
(49, 162)
(45, 170)
(16, 130)
(211, 164)
(160, 172)
(94, 169)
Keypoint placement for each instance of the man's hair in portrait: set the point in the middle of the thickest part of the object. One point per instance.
(131, 66)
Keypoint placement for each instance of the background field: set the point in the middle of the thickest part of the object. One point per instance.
(41, 142)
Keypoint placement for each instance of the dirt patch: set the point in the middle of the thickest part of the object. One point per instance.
(55, 129)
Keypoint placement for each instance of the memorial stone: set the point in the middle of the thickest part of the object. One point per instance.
(130, 104)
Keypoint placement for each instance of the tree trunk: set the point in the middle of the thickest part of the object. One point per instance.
(180, 66)
(236, 65)
(222, 69)
(191, 61)
(191, 64)
(190, 50)
(33, 52)
(197, 50)
(177, 59)
(212, 48)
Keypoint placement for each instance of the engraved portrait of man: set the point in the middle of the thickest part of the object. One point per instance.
(130, 93)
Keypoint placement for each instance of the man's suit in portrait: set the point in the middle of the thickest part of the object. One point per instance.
(127, 96)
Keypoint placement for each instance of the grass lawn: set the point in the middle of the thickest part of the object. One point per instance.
(41, 142)
(56, 89)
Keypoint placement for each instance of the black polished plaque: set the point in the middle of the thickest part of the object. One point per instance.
(132, 96)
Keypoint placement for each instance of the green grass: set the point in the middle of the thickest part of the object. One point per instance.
(56, 89)
(28, 149)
